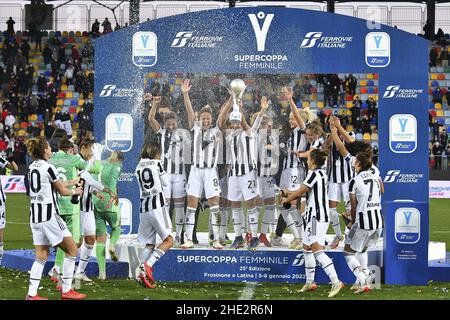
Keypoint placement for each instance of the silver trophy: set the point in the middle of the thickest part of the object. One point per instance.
(237, 87)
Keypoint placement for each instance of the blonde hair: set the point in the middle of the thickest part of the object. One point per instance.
(316, 128)
(307, 115)
(36, 147)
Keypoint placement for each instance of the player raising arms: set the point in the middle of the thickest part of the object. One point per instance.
(242, 185)
(203, 176)
(154, 218)
(317, 222)
(293, 170)
(175, 146)
(108, 211)
(340, 172)
(366, 219)
(12, 166)
(46, 225)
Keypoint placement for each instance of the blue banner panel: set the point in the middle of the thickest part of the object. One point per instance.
(406, 255)
(243, 265)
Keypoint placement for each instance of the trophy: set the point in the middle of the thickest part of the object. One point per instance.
(237, 87)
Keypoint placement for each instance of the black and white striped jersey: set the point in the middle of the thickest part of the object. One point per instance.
(366, 187)
(90, 184)
(3, 163)
(241, 151)
(268, 153)
(175, 146)
(206, 144)
(351, 159)
(339, 170)
(296, 142)
(317, 202)
(43, 203)
(152, 179)
(317, 144)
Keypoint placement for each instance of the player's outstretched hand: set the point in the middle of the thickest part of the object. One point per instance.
(147, 97)
(288, 93)
(185, 86)
(264, 103)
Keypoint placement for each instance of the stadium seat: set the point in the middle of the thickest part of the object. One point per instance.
(370, 83)
(440, 121)
(433, 76)
(72, 110)
(447, 121)
(363, 83)
(65, 34)
(363, 90)
(366, 136)
(33, 117)
(57, 109)
(64, 87)
(374, 136)
(359, 136)
(438, 106)
(80, 102)
(60, 102)
(22, 133)
(69, 94)
(441, 76)
(370, 76)
(67, 102)
(434, 84)
(305, 104)
(439, 113)
(58, 34)
(78, 34)
(24, 125)
(74, 103)
(16, 126)
(61, 95)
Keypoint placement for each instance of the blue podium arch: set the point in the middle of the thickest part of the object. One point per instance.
(284, 41)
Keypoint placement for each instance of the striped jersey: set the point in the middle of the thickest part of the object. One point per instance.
(241, 151)
(3, 163)
(316, 144)
(339, 170)
(206, 144)
(366, 187)
(152, 179)
(296, 142)
(175, 146)
(268, 153)
(317, 202)
(89, 185)
(41, 176)
(351, 159)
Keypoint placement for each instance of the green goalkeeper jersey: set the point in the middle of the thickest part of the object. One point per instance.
(109, 175)
(67, 166)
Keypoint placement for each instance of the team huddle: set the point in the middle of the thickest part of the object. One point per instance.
(295, 182)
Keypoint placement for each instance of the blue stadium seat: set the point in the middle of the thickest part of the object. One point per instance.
(371, 90)
(434, 83)
(76, 95)
(40, 117)
(370, 83)
(359, 136)
(74, 103)
(447, 121)
(364, 105)
(71, 87)
(67, 102)
(47, 73)
(448, 129)
(58, 34)
(441, 121)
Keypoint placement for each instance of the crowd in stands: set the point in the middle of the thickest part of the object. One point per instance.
(37, 81)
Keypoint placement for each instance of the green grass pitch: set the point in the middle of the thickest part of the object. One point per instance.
(14, 284)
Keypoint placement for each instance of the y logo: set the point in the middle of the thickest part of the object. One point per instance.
(403, 122)
(144, 39)
(261, 32)
(119, 121)
(377, 40)
(407, 215)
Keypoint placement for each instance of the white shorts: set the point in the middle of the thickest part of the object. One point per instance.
(360, 239)
(2, 218)
(292, 178)
(338, 191)
(242, 187)
(315, 231)
(87, 222)
(156, 221)
(51, 232)
(266, 187)
(177, 186)
(223, 184)
(203, 179)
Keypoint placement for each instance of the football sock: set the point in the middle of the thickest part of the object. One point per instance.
(190, 222)
(244, 225)
(274, 222)
(298, 221)
(154, 257)
(100, 253)
(115, 235)
(267, 219)
(59, 260)
(1, 252)
(310, 266)
(335, 223)
(68, 268)
(223, 222)
(355, 267)
(290, 222)
(85, 254)
(327, 265)
(214, 214)
(35, 276)
(237, 222)
(179, 218)
(145, 254)
(253, 214)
